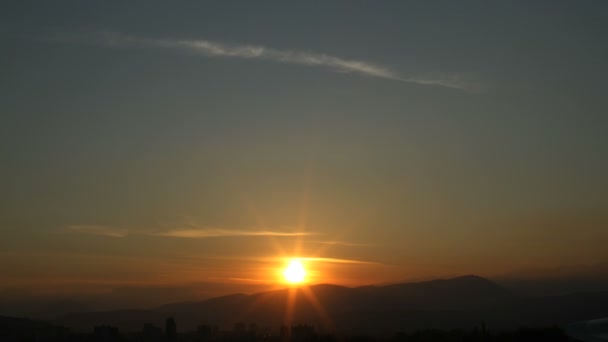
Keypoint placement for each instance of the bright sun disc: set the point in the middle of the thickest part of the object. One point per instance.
(295, 272)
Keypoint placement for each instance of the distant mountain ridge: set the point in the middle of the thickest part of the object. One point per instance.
(461, 302)
(27, 329)
(468, 291)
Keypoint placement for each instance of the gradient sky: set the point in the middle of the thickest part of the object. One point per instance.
(147, 143)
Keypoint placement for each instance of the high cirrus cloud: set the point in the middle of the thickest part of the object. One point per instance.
(210, 233)
(98, 230)
(219, 50)
(194, 233)
(339, 261)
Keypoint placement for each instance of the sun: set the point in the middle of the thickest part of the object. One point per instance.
(295, 272)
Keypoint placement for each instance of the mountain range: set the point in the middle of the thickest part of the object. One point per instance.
(463, 302)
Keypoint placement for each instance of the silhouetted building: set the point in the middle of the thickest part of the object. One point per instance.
(206, 332)
(302, 333)
(240, 329)
(171, 329)
(105, 333)
(284, 333)
(253, 330)
(152, 333)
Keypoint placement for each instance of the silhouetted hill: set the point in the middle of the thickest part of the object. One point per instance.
(40, 307)
(266, 308)
(13, 328)
(217, 303)
(461, 302)
(126, 320)
(466, 292)
(549, 310)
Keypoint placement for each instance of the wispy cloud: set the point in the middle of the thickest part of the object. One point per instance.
(217, 49)
(193, 233)
(212, 233)
(341, 243)
(285, 258)
(340, 261)
(98, 230)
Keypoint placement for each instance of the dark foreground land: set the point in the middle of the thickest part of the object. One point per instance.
(24, 330)
(467, 308)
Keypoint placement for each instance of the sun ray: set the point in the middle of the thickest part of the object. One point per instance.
(261, 299)
(292, 293)
(325, 317)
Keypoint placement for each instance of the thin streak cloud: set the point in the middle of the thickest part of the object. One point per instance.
(281, 259)
(217, 49)
(98, 230)
(341, 243)
(212, 233)
(194, 233)
(340, 261)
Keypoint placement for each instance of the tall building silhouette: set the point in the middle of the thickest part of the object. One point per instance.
(171, 329)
